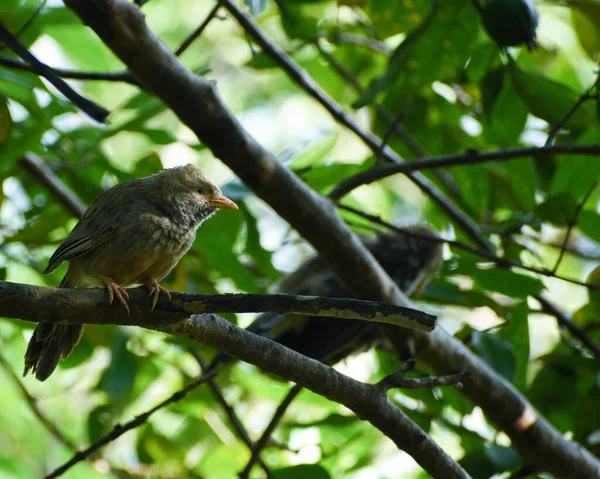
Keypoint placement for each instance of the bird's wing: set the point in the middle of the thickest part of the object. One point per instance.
(77, 244)
(98, 225)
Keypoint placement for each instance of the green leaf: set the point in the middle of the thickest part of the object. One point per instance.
(303, 471)
(147, 166)
(391, 17)
(117, 381)
(506, 115)
(436, 50)
(549, 100)
(496, 352)
(316, 154)
(507, 282)
(588, 33)
(300, 18)
(558, 209)
(589, 224)
(448, 293)
(575, 173)
(516, 332)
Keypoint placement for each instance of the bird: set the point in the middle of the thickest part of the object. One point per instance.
(411, 259)
(133, 233)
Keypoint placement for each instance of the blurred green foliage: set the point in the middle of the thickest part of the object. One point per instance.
(431, 60)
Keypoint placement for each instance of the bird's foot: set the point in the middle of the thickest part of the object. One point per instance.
(116, 291)
(155, 291)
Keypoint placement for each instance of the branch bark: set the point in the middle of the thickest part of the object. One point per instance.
(57, 300)
(367, 401)
(195, 101)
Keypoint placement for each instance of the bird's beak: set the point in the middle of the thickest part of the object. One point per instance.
(223, 203)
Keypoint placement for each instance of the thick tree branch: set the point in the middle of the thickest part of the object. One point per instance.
(36, 303)
(182, 305)
(196, 103)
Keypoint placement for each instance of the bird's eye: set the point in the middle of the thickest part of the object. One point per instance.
(199, 191)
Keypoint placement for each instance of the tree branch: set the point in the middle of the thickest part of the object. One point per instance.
(233, 418)
(196, 33)
(266, 435)
(587, 95)
(371, 140)
(121, 429)
(484, 253)
(93, 110)
(471, 157)
(196, 103)
(571, 223)
(36, 303)
(123, 76)
(182, 305)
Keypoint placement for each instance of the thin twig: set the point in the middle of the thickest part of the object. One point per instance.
(472, 249)
(471, 157)
(36, 167)
(119, 429)
(123, 76)
(50, 427)
(572, 223)
(93, 110)
(397, 380)
(362, 41)
(587, 95)
(29, 21)
(372, 141)
(386, 116)
(266, 435)
(388, 134)
(189, 40)
(575, 330)
(231, 414)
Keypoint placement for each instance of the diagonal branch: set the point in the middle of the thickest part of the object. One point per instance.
(121, 429)
(233, 418)
(93, 110)
(571, 223)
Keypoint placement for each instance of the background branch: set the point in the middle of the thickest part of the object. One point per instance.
(471, 157)
(94, 111)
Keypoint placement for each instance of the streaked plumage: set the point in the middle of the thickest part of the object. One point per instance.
(133, 233)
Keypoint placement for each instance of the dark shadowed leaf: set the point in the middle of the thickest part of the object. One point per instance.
(495, 351)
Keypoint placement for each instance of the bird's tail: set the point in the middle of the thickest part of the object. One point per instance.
(49, 343)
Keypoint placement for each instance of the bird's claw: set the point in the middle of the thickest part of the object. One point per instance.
(114, 290)
(155, 290)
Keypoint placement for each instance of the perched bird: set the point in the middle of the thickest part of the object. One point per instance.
(409, 260)
(133, 233)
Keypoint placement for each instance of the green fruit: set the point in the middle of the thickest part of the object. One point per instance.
(511, 22)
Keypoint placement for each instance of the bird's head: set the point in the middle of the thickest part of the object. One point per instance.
(191, 193)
